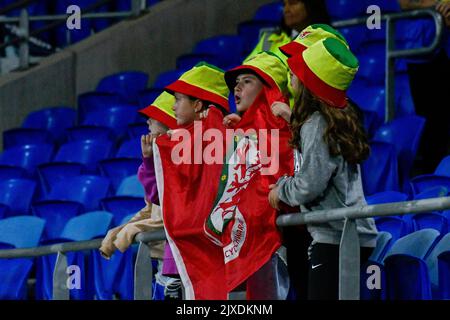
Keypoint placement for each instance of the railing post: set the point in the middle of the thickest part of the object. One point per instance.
(60, 289)
(390, 71)
(24, 49)
(349, 262)
(143, 271)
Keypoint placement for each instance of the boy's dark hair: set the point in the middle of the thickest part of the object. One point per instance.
(345, 134)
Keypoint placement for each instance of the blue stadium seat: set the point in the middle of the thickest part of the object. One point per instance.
(404, 133)
(136, 130)
(355, 36)
(425, 182)
(166, 78)
(18, 232)
(90, 132)
(23, 136)
(51, 173)
(443, 168)
(12, 172)
(131, 186)
(434, 192)
(345, 9)
(384, 242)
(430, 220)
(84, 227)
(3, 210)
(386, 197)
(116, 169)
(372, 63)
(27, 157)
(250, 32)
(53, 119)
(379, 172)
(130, 149)
(17, 194)
(91, 101)
(406, 271)
(439, 268)
(126, 84)
(227, 49)
(404, 104)
(270, 12)
(189, 60)
(147, 96)
(395, 225)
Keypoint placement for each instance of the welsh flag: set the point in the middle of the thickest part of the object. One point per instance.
(217, 217)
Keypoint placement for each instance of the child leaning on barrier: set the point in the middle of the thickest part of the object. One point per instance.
(330, 144)
(160, 120)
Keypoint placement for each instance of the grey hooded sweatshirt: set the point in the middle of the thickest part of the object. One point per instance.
(322, 182)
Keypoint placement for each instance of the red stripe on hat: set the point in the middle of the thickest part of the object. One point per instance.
(334, 97)
(159, 115)
(292, 48)
(197, 92)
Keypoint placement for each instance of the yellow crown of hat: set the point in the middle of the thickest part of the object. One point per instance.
(161, 110)
(204, 81)
(267, 65)
(327, 69)
(311, 35)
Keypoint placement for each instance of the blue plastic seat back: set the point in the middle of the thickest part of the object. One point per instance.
(24, 136)
(355, 36)
(250, 32)
(22, 231)
(4, 209)
(417, 244)
(87, 190)
(443, 169)
(126, 84)
(88, 226)
(17, 194)
(51, 173)
(444, 274)
(14, 273)
(386, 197)
(130, 149)
(147, 96)
(370, 98)
(227, 48)
(131, 186)
(404, 133)
(91, 101)
(90, 132)
(54, 119)
(189, 60)
(396, 226)
(118, 169)
(87, 152)
(379, 171)
(432, 261)
(430, 220)
(372, 61)
(270, 12)
(116, 118)
(123, 206)
(384, 240)
(423, 183)
(345, 9)
(166, 78)
(27, 156)
(136, 130)
(434, 192)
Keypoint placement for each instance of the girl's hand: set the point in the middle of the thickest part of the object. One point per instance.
(147, 145)
(231, 120)
(204, 114)
(273, 197)
(280, 109)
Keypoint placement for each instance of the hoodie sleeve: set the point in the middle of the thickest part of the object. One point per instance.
(316, 168)
(146, 175)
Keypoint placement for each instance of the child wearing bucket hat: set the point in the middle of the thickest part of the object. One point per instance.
(196, 90)
(160, 118)
(330, 144)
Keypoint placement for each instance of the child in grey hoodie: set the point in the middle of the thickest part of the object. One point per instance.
(330, 144)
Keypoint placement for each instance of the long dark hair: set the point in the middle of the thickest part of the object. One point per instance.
(317, 13)
(344, 135)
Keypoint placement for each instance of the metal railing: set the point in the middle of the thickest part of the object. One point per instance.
(392, 53)
(24, 37)
(349, 254)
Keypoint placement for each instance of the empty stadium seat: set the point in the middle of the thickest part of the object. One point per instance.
(379, 171)
(90, 132)
(91, 101)
(355, 36)
(126, 84)
(430, 220)
(189, 60)
(404, 133)
(406, 271)
(130, 149)
(51, 173)
(21, 231)
(440, 177)
(270, 12)
(136, 130)
(17, 194)
(147, 96)
(439, 268)
(227, 50)
(24, 136)
(27, 157)
(386, 197)
(116, 169)
(345, 9)
(166, 78)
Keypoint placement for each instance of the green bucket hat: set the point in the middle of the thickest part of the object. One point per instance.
(327, 69)
(309, 36)
(161, 110)
(204, 81)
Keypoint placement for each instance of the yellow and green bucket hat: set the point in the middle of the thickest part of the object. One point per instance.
(204, 81)
(327, 69)
(309, 36)
(267, 65)
(161, 110)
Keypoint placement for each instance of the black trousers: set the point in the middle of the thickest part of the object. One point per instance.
(323, 271)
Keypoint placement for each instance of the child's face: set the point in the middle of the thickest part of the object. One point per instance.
(247, 88)
(184, 109)
(155, 127)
